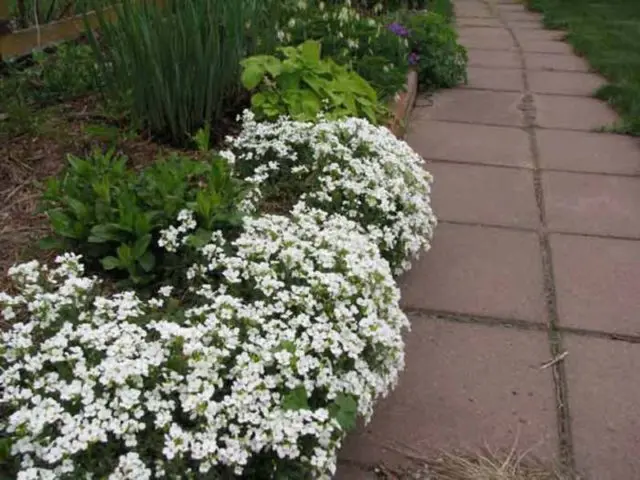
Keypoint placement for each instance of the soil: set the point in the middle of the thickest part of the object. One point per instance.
(27, 161)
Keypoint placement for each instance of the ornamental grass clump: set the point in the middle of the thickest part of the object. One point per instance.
(177, 64)
(348, 167)
(293, 330)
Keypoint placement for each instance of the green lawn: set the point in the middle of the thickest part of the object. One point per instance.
(607, 33)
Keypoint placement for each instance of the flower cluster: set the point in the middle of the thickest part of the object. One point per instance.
(349, 167)
(294, 328)
(350, 38)
(398, 29)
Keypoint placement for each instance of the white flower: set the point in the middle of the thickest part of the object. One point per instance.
(294, 308)
(348, 167)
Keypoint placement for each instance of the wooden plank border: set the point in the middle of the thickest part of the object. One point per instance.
(23, 42)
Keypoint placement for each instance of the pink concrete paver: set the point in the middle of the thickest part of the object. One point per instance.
(472, 9)
(592, 204)
(476, 106)
(597, 283)
(536, 34)
(521, 16)
(491, 58)
(482, 144)
(487, 195)
(479, 271)
(573, 113)
(564, 83)
(486, 38)
(588, 152)
(478, 22)
(555, 62)
(348, 471)
(506, 80)
(464, 387)
(605, 413)
(546, 46)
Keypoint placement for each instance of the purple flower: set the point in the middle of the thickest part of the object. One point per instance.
(414, 58)
(398, 29)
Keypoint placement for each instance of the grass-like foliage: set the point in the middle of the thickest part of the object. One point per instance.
(179, 64)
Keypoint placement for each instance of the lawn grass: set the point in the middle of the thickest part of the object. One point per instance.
(607, 33)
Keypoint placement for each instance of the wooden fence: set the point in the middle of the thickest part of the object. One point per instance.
(22, 42)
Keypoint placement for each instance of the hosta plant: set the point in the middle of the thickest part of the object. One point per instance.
(300, 84)
(294, 329)
(349, 167)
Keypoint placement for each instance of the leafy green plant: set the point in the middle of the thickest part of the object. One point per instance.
(177, 64)
(113, 216)
(302, 85)
(378, 6)
(361, 43)
(440, 60)
(68, 72)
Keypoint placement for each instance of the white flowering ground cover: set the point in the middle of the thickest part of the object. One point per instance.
(350, 167)
(284, 335)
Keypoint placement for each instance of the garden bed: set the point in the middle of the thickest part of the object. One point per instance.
(219, 287)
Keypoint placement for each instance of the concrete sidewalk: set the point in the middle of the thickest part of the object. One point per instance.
(537, 254)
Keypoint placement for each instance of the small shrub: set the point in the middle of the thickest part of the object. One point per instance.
(113, 216)
(348, 167)
(361, 43)
(301, 85)
(440, 60)
(178, 64)
(295, 329)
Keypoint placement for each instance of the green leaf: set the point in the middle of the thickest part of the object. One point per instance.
(258, 99)
(200, 238)
(252, 75)
(125, 255)
(79, 209)
(147, 261)
(110, 263)
(345, 410)
(61, 224)
(311, 51)
(141, 245)
(51, 243)
(296, 399)
(108, 232)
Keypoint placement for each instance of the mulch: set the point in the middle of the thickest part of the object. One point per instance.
(28, 160)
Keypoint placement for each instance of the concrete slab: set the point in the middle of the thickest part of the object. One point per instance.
(479, 270)
(464, 142)
(592, 204)
(588, 152)
(597, 283)
(487, 195)
(465, 387)
(603, 398)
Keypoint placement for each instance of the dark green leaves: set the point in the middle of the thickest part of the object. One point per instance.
(113, 216)
(296, 399)
(345, 410)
